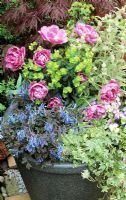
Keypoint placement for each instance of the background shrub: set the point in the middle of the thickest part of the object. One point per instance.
(25, 17)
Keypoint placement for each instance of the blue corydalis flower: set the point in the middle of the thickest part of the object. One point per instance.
(42, 142)
(32, 143)
(67, 119)
(14, 152)
(15, 118)
(58, 154)
(33, 112)
(28, 107)
(21, 135)
(70, 120)
(48, 127)
(41, 110)
(60, 149)
(12, 119)
(30, 148)
(39, 160)
(21, 117)
(35, 142)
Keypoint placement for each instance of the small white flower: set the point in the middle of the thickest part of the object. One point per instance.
(114, 105)
(114, 128)
(86, 174)
(108, 107)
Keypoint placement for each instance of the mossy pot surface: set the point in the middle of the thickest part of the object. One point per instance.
(58, 182)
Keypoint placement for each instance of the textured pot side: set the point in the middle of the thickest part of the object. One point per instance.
(58, 182)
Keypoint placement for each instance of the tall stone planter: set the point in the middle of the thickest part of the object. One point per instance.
(58, 182)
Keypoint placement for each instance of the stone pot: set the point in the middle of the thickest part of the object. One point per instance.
(58, 182)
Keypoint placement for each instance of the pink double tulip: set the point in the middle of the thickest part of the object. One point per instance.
(55, 103)
(14, 58)
(41, 57)
(88, 32)
(110, 91)
(38, 90)
(53, 34)
(95, 112)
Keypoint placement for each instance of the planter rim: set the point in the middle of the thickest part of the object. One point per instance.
(57, 168)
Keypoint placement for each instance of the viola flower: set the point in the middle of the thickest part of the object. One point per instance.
(114, 128)
(83, 77)
(110, 91)
(53, 34)
(55, 103)
(124, 110)
(41, 57)
(94, 102)
(38, 90)
(14, 58)
(88, 32)
(117, 114)
(95, 112)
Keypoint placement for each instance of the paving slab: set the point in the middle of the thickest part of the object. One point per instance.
(19, 197)
(11, 162)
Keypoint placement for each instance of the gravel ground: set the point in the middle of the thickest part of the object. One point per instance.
(11, 183)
